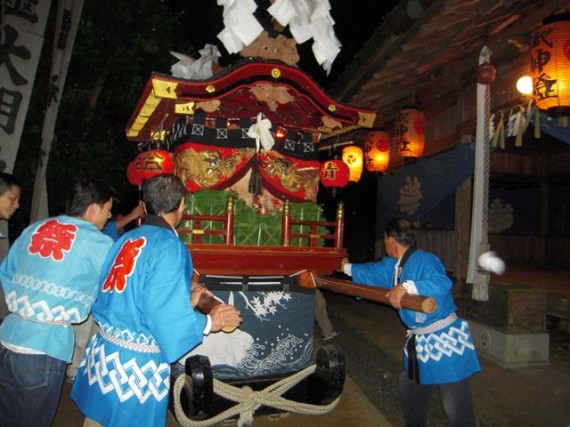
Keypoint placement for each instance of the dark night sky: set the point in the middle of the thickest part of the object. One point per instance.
(202, 21)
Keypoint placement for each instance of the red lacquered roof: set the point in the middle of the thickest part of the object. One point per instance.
(284, 94)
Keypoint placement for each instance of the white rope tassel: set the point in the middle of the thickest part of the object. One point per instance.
(248, 400)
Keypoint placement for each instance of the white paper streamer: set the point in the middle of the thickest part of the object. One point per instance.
(492, 127)
(261, 131)
(309, 19)
(197, 69)
(241, 26)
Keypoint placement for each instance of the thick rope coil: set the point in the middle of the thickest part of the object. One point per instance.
(248, 400)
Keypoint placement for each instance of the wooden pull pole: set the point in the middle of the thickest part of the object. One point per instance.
(207, 302)
(372, 293)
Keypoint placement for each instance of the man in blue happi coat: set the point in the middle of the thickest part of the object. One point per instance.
(439, 350)
(146, 313)
(49, 278)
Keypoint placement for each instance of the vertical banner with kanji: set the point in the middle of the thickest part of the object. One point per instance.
(21, 40)
(22, 27)
(68, 16)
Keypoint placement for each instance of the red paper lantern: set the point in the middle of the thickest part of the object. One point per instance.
(334, 173)
(410, 133)
(148, 164)
(550, 64)
(377, 151)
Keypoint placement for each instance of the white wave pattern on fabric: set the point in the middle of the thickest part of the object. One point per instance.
(127, 380)
(437, 345)
(128, 335)
(41, 311)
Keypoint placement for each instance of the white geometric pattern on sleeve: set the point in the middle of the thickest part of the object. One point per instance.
(437, 344)
(127, 380)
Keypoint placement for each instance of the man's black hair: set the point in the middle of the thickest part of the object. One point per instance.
(88, 192)
(402, 230)
(7, 181)
(162, 194)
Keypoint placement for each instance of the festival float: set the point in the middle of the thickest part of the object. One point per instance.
(244, 140)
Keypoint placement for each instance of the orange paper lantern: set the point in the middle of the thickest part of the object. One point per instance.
(377, 151)
(148, 164)
(352, 156)
(550, 65)
(334, 173)
(410, 133)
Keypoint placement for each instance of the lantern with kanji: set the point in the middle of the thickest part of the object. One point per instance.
(377, 151)
(550, 64)
(410, 133)
(352, 156)
(334, 173)
(148, 164)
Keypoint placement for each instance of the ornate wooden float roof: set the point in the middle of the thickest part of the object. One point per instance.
(284, 94)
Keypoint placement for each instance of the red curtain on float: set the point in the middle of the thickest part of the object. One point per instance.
(203, 167)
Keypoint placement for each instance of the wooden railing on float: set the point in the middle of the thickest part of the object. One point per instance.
(198, 230)
(312, 236)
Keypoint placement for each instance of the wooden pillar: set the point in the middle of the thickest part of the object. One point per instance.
(544, 206)
(339, 235)
(229, 231)
(286, 224)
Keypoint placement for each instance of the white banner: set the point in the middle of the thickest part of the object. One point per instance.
(68, 17)
(21, 40)
(479, 220)
(22, 29)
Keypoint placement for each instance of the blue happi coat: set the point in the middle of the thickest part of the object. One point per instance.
(444, 356)
(147, 322)
(50, 278)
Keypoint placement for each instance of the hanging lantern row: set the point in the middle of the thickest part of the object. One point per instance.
(410, 140)
(550, 64)
(148, 164)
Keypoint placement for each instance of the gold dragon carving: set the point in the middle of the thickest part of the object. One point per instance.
(291, 178)
(207, 168)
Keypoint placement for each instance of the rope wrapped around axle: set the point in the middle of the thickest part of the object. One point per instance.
(248, 400)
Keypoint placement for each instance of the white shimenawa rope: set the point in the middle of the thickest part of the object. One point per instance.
(479, 221)
(248, 400)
